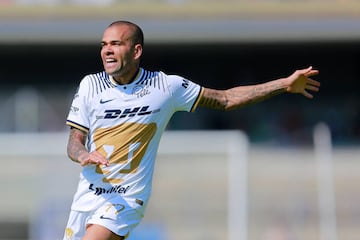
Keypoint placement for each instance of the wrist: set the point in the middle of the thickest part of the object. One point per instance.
(82, 157)
(286, 84)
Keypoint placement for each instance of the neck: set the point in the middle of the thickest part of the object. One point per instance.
(129, 78)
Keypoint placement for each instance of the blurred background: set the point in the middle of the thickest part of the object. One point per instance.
(47, 46)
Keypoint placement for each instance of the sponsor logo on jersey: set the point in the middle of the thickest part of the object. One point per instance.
(107, 218)
(185, 83)
(74, 109)
(106, 101)
(114, 189)
(127, 112)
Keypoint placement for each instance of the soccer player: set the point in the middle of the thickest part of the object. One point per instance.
(117, 118)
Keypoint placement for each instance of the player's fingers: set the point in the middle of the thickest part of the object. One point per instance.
(97, 158)
(313, 82)
(306, 94)
(84, 162)
(90, 159)
(311, 72)
(308, 72)
(304, 71)
(312, 88)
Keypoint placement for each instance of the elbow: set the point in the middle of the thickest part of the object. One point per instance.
(230, 106)
(226, 105)
(227, 108)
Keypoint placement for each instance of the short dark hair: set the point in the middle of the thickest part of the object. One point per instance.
(138, 35)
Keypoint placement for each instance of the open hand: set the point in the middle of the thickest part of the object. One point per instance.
(300, 82)
(93, 158)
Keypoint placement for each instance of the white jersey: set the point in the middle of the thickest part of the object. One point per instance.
(124, 123)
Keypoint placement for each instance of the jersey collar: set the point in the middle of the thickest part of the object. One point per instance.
(134, 80)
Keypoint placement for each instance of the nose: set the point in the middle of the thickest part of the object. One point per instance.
(107, 50)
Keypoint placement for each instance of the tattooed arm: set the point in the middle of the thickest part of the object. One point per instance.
(234, 98)
(77, 151)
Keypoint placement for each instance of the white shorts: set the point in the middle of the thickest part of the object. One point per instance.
(118, 217)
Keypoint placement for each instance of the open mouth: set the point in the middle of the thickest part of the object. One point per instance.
(110, 62)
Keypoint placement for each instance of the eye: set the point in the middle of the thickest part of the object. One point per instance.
(116, 43)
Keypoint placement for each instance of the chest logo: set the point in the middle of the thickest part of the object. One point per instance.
(127, 112)
(106, 101)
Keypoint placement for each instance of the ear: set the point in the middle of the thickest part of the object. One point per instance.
(137, 51)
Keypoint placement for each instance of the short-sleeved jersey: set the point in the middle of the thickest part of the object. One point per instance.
(124, 123)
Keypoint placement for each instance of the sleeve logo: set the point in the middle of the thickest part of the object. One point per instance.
(185, 83)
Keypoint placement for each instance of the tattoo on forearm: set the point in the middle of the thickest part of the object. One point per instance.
(240, 96)
(76, 144)
(262, 92)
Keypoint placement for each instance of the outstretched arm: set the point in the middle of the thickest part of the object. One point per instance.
(234, 98)
(77, 151)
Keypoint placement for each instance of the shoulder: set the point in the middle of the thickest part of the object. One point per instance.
(145, 76)
(96, 77)
(177, 81)
(96, 83)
